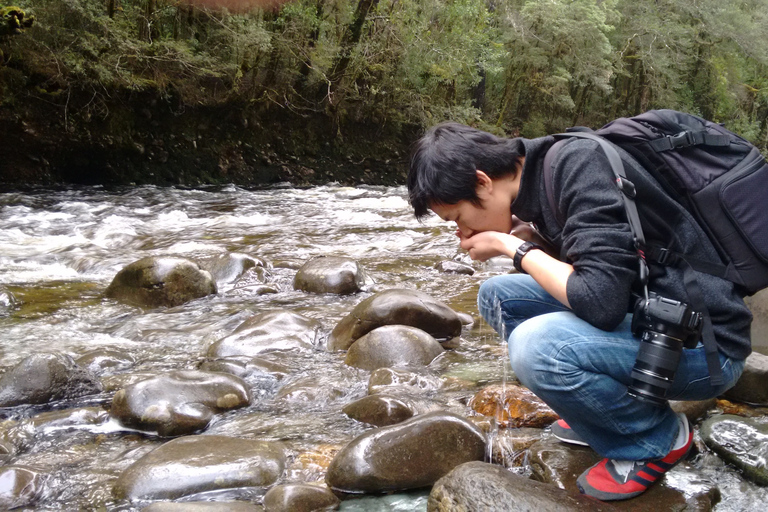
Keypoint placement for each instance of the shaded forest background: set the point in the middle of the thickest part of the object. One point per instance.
(161, 91)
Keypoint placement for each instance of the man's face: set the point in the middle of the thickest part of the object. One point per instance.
(471, 219)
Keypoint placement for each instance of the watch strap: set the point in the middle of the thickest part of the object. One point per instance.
(521, 251)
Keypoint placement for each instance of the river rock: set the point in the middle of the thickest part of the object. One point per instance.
(67, 418)
(752, 386)
(758, 304)
(454, 267)
(268, 332)
(196, 464)
(475, 486)
(402, 381)
(105, 360)
(160, 281)
(254, 281)
(300, 498)
(19, 487)
(180, 402)
(203, 506)
(404, 307)
(409, 455)
(7, 301)
(393, 346)
(379, 410)
(43, 378)
(330, 274)
(246, 367)
(739, 441)
(309, 390)
(521, 407)
(227, 267)
(560, 464)
(509, 446)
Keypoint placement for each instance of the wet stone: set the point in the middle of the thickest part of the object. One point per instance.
(44, 378)
(752, 386)
(67, 418)
(409, 455)
(254, 280)
(196, 464)
(522, 408)
(402, 381)
(379, 410)
(509, 446)
(478, 486)
(246, 367)
(268, 332)
(123, 380)
(300, 498)
(742, 442)
(307, 390)
(330, 274)
(227, 267)
(203, 506)
(8, 301)
(454, 267)
(393, 346)
(19, 487)
(160, 281)
(105, 360)
(178, 403)
(694, 410)
(396, 306)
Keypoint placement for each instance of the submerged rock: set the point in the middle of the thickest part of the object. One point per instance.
(180, 402)
(307, 390)
(454, 267)
(7, 301)
(160, 281)
(752, 386)
(739, 441)
(402, 381)
(379, 410)
(392, 346)
(404, 307)
(300, 498)
(227, 267)
(509, 446)
(203, 506)
(521, 407)
(195, 464)
(409, 455)
(268, 332)
(330, 274)
(19, 487)
(490, 488)
(105, 360)
(246, 367)
(44, 378)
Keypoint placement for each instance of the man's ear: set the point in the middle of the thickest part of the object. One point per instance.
(484, 184)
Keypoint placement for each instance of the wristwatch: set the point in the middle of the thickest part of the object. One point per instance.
(521, 251)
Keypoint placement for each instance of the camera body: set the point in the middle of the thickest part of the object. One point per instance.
(665, 327)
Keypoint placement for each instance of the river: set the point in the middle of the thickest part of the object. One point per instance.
(59, 250)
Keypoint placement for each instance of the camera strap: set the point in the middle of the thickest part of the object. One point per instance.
(628, 193)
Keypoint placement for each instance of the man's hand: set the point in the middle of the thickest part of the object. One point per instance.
(488, 244)
(524, 231)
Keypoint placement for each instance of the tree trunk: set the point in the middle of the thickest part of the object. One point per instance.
(351, 38)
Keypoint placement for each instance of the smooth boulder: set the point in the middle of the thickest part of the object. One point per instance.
(44, 378)
(196, 464)
(19, 487)
(475, 486)
(396, 306)
(752, 386)
(180, 402)
(379, 410)
(454, 267)
(513, 406)
(300, 498)
(330, 274)
(393, 346)
(228, 267)
(160, 281)
(742, 442)
(268, 332)
(412, 454)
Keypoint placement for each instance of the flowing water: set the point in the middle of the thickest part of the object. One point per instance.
(60, 249)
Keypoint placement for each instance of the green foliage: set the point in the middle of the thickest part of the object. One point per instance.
(518, 66)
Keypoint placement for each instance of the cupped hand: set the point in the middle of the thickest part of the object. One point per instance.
(488, 244)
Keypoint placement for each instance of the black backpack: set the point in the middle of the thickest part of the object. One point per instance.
(716, 175)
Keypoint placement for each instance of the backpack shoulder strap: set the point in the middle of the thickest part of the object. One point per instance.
(549, 186)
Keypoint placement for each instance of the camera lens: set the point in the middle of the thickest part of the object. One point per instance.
(655, 367)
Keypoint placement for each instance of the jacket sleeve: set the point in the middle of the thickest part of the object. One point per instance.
(597, 239)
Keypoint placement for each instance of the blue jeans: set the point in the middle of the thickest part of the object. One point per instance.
(582, 372)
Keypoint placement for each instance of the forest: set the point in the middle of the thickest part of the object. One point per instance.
(308, 82)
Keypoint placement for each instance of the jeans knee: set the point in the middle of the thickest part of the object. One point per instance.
(532, 346)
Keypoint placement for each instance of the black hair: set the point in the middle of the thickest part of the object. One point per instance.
(444, 161)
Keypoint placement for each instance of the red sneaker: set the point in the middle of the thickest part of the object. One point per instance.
(610, 480)
(565, 433)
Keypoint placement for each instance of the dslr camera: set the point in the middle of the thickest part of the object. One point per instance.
(664, 327)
